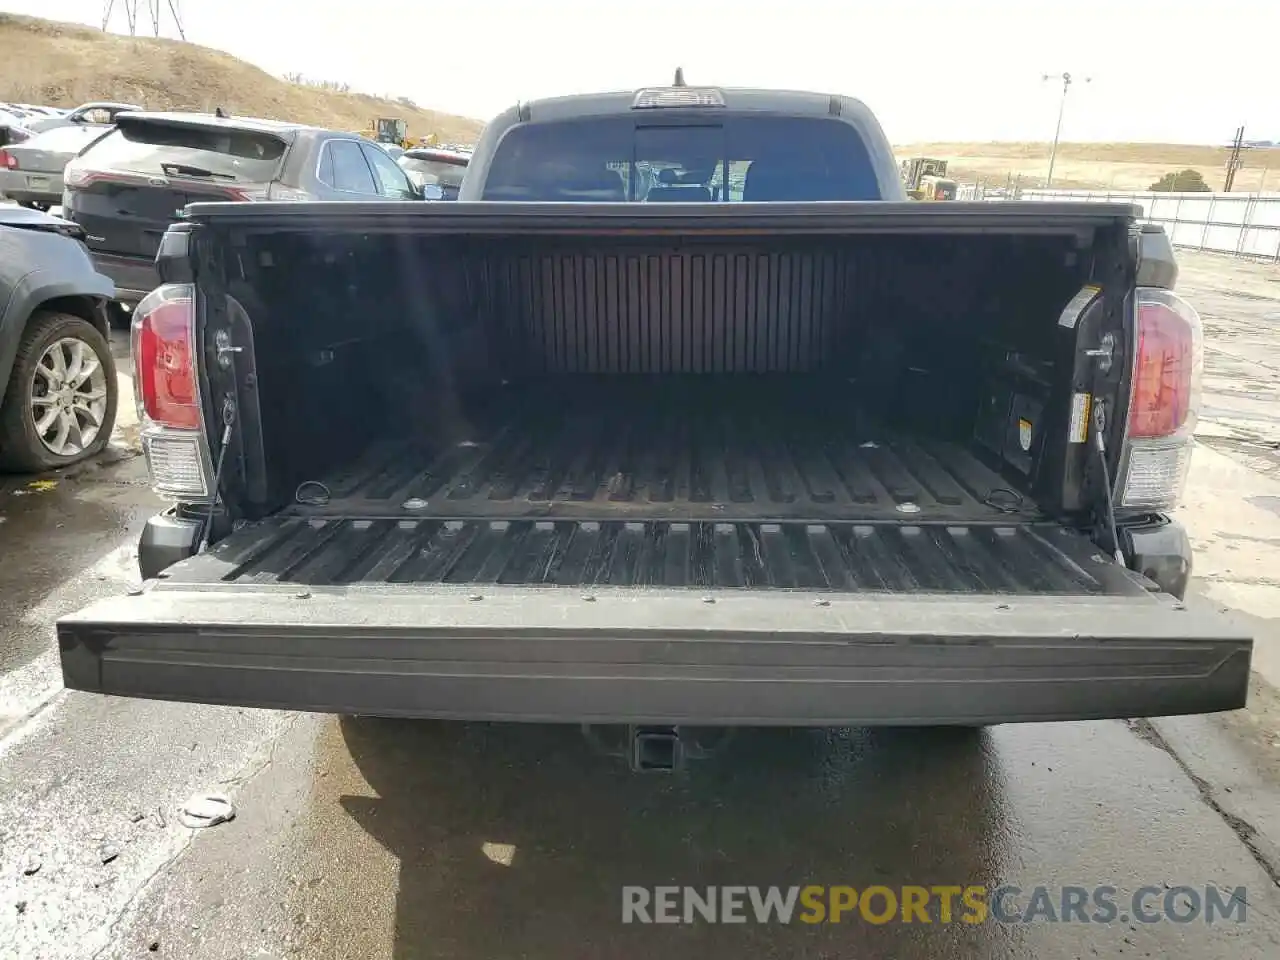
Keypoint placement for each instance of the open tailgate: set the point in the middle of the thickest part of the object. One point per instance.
(448, 621)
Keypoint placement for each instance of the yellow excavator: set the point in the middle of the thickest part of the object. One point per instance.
(937, 188)
(392, 130)
(921, 176)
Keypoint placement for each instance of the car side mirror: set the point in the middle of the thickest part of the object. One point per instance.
(432, 191)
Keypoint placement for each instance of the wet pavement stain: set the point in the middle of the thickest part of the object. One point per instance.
(369, 838)
(61, 533)
(51, 536)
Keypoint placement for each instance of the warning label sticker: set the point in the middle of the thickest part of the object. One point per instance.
(1078, 430)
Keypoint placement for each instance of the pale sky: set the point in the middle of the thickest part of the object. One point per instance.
(1162, 70)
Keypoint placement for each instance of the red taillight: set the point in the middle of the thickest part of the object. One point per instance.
(74, 177)
(1167, 368)
(1163, 402)
(164, 358)
(8, 160)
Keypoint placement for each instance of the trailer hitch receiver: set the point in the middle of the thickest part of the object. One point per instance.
(656, 750)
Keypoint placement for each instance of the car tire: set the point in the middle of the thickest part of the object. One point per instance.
(22, 448)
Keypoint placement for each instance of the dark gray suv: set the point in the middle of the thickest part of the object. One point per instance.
(126, 187)
(58, 388)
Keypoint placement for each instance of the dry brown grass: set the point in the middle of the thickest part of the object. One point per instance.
(1118, 166)
(65, 64)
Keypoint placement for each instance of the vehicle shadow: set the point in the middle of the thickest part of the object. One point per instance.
(517, 840)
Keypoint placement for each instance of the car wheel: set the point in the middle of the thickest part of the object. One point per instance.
(59, 406)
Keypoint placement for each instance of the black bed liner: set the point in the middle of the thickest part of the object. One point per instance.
(639, 484)
(1039, 559)
(639, 453)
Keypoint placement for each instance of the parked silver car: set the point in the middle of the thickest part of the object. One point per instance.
(99, 113)
(31, 172)
(13, 128)
(31, 111)
(439, 167)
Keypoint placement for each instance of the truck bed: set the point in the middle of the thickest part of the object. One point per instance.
(667, 450)
(1039, 559)
(665, 483)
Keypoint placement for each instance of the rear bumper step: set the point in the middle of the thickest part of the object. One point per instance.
(659, 656)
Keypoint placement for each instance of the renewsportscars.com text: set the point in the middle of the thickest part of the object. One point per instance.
(971, 904)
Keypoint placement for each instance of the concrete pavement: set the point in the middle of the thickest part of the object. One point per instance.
(63, 540)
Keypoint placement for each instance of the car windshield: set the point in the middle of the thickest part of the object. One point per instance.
(441, 172)
(166, 149)
(741, 158)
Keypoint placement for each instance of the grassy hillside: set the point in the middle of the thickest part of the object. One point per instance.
(1119, 166)
(65, 64)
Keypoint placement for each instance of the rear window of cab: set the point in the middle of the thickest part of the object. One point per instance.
(734, 159)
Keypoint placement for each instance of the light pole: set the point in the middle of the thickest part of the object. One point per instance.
(1067, 80)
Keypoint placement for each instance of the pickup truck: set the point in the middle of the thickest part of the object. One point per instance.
(681, 415)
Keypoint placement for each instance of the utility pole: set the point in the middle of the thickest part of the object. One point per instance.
(1235, 163)
(1067, 80)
